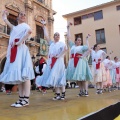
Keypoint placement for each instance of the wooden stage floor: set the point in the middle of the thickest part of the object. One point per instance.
(42, 107)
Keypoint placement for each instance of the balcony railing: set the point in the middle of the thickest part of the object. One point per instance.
(3, 28)
(42, 1)
(35, 38)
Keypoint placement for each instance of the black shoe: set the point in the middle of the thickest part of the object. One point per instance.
(81, 94)
(57, 98)
(62, 97)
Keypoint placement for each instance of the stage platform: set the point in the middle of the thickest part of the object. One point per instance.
(42, 107)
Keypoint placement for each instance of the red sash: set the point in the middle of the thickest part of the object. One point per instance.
(13, 52)
(117, 70)
(76, 58)
(97, 64)
(53, 61)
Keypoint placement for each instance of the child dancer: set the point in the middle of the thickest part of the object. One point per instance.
(54, 74)
(18, 67)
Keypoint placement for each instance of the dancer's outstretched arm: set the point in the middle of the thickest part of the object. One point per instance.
(68, 32)
(45, 30)
(4, 17)
(87, 41)
(24, 37)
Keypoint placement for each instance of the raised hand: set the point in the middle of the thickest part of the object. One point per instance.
(69, 24)
(88, 36)
(43, 22)
(111, 51)
(5, 13)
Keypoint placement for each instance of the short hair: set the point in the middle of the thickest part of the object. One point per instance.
(56, 33)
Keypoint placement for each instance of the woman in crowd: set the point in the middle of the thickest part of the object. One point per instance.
(41, 68)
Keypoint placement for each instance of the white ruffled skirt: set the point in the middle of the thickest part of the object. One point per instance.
(20, 70)
(55, 77)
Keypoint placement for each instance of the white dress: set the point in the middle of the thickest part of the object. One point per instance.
(117, 71)
(113, 71)
(107, 64)
(98, 68)
(22, 68)
(54, 76)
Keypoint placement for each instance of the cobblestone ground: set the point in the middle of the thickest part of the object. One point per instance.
(42, 107)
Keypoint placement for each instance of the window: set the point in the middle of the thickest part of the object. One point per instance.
(90, 15)
(118, 7)
(100, 36)
(40, 1)
(79, 35)
(87, 16)
(119, 28)
(77, 20)
(13, 20)
(84, 17)
(98, 15)
(39, 33)
(104, 49)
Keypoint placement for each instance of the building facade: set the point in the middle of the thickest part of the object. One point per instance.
(35, 11)
(102, 22)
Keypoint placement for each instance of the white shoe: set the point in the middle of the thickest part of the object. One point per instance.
(63, 97)
(14, 104)
(22, 104)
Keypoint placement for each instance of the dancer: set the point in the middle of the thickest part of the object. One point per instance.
(117, 72)
(108, 82)
(98, 68)
(54, 74)
(18, 67)
(78, 69)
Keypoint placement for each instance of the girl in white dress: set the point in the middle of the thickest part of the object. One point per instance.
(108, 83)
(54, 74)
(117, 72)
(18, 67)
(98, 68)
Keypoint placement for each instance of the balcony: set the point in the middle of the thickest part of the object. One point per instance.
(3, 28)
(34, 41)
(3, 32)
(42, 1)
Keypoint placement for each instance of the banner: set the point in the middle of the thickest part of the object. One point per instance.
(43, 47)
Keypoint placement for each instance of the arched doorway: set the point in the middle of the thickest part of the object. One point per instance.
(2, 65)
